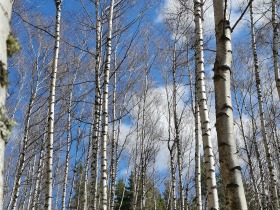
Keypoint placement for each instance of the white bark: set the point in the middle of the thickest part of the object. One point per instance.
(230, 168)
(5, 15)
(212, 193)
(97, 109)
(104, 134)
(272, 181)
(49, 179)
(276, 45)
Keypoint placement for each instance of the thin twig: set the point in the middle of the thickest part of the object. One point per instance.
(241, 16)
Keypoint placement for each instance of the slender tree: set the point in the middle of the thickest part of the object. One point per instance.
(212, 193)
(104, 121)
(275, 48)
(49, 179)
(230, 168)
(272, 181)
(97, 110)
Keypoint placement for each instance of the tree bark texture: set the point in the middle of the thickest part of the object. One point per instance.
(230, 168)
(5, 15)
(97, 110)
(104, 121)
(212, 193)
(49, 179)
(276, 45)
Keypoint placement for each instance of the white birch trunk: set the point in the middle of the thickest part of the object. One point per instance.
(104, 122)
(212, 193)
(276, 45)
(5, 15)
(49, 179)
(272, 181)
(228, 156)
(97, 109)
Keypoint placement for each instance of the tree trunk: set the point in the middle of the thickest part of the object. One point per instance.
(212, 193)
(275, 45)
(104, 122)
(173, 205)
(5, 15)
(97, 110)
(230, 168)
(272, 181)
(49, 179)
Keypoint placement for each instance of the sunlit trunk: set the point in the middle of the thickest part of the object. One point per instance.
(228, 156)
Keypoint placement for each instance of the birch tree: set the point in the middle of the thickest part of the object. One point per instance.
(49, 181)
(212, 193)
(272, 181)
(97, 109)
(230, 168)
(275, 49)
(104, 121)
(5, 122)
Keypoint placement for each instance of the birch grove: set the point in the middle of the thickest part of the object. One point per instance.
(147, 104)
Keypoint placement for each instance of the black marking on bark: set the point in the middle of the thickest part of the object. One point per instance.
(232, 185)
(221, 144)
(226, 106)
(236, 168)
(220, 114)
(4, 75)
